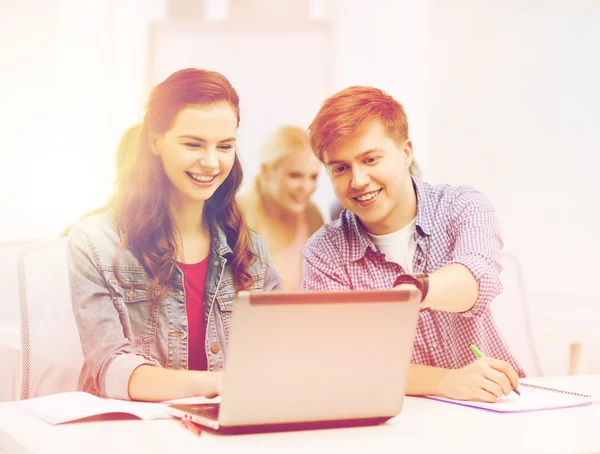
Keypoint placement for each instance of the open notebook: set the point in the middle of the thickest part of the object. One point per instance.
(532, 398)
(72, 406)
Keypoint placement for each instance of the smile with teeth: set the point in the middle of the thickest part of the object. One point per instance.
(368, 196)
(201, 178)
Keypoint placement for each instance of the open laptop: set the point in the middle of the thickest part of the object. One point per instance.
(313, 360)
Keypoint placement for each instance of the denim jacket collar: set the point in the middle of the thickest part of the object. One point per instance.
(219, 240)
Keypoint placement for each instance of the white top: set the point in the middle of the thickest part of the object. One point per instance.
(399, 246)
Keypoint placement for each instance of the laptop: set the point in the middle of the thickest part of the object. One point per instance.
(312, 360)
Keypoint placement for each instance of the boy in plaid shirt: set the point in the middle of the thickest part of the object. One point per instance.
(397, 230)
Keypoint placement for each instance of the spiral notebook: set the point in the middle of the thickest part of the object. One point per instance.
(532, 398)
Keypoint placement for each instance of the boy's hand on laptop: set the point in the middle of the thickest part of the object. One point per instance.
(485, 380)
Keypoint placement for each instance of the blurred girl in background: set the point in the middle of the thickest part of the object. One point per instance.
(278, 206)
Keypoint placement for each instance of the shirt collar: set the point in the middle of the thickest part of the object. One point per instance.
(425, 208)
(358, 248)
(219, 240)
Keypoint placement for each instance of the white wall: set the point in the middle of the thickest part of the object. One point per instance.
(27, 84)
(516, 104)
(386, 44)
(71, 81)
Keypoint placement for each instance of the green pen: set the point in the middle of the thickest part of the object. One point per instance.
(478, 353)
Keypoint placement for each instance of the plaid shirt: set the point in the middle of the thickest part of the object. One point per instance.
(453, 225)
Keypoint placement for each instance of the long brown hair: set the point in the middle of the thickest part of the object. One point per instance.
(142, 198)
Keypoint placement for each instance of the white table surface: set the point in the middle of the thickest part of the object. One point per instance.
(423, 426)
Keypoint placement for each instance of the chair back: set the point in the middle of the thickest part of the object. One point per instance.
(512, 316)
(51, 354)
(10, 342)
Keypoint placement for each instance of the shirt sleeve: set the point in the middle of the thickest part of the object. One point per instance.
(321, 268)
(108, 354)
(477, 246)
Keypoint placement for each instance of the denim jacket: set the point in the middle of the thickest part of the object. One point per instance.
(121, 329)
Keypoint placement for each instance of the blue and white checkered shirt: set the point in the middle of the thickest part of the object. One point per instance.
(454, 224)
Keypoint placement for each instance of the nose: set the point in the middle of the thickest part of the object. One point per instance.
(209, 159)
(360, 178)
(309, 185)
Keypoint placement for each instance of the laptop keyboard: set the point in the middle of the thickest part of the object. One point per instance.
(209, 411)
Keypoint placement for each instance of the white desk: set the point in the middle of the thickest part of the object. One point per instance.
(423, 426)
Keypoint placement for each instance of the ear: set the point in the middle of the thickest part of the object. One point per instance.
(153, 140)
(408, 153)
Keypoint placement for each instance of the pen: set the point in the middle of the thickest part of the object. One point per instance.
(478, 353)
(191, 426)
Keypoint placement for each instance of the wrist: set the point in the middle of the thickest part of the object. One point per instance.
(207, 383)
(200, 383)
(444, 382)
(421, 281)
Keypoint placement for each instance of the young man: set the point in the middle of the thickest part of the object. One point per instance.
(397, 229)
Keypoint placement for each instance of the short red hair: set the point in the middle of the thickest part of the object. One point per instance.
(344, 116)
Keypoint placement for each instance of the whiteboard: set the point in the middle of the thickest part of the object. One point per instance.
(282, 75)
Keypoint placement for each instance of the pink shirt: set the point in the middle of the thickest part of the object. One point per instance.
(194, 282)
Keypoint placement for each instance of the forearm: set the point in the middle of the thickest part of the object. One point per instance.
(452, 289)
(425, 380)
(151, 383)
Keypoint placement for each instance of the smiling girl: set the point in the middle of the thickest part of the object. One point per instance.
(153, 278)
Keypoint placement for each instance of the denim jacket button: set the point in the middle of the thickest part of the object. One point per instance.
(176, 334)
(215, 348)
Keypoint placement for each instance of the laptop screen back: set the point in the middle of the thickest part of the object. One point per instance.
(298, 357)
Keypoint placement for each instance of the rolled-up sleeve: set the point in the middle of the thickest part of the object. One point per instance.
(478, 246)
(109, 357)
(321, 268)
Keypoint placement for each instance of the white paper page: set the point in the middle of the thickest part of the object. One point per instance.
(530, 399)
(70, 406)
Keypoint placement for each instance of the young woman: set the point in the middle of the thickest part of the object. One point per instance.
(153, 278)
(278, 207)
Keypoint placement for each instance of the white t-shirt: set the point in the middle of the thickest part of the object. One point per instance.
(399, 246)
